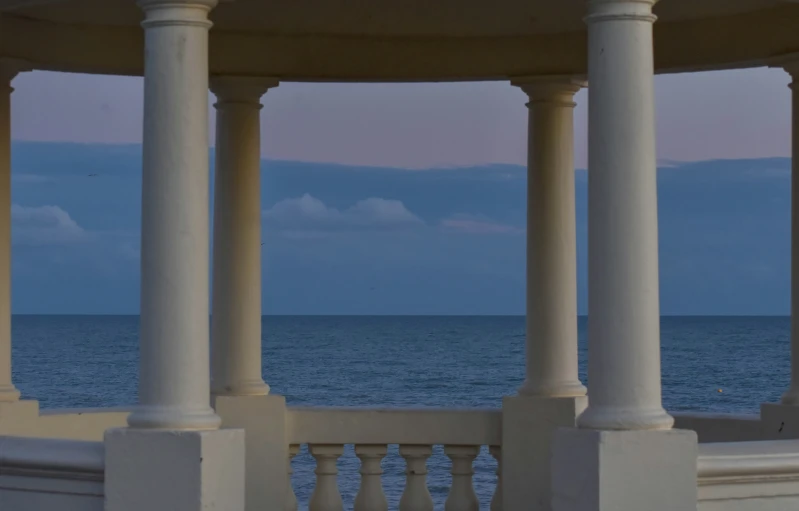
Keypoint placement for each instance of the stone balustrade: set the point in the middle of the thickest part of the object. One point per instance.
(49, 474)
(462, 433)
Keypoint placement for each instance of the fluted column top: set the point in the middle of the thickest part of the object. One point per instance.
(558, 90)
(241, 89)
(176, 12)
(607, 10)
(9, 68)
(789, 62)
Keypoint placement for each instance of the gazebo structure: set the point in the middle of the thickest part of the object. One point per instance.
(182, 448)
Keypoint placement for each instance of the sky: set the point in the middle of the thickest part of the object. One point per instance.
(701, 116)
(403, 199)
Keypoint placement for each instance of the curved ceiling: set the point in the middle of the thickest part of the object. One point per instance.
(385, 40)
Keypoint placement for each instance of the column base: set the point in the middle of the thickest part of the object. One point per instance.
(791, 397)
(624, 470)
(625, 419)
(169, 417)
(528, 426)
(8, 393)
(169, 470)
(780, 421)
(263, 418)
(18, 417)
(564, 389)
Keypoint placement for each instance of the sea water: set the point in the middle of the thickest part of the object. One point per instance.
(92, 361)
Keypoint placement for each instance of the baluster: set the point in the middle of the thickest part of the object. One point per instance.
(370, 495)
(496, 500)
(416, 496)
(325, 496)
(291, 497)
(461, 495)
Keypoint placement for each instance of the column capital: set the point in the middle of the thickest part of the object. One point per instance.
(9, 68)
(241, 89)
(557, 90)
(609, 10)
(176, 12)
(789, 62)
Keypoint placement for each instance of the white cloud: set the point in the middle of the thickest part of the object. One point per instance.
(44, 225)
(477, 224)
(309, 214)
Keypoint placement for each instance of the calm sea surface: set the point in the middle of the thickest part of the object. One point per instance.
(91, 361)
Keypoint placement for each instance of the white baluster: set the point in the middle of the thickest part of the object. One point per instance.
(496, 500)
(416, 496)
(326, 496)
(291, 497)
(370, 495)
(461, 495)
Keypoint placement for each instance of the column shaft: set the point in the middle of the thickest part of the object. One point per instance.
(8, 69)
(174, 368)
(236, 309)
(551, 241)
(623, 304)
(791, 396)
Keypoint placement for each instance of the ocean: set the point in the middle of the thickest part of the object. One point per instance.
(396, 361)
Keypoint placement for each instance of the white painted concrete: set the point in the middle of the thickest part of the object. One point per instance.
(528, 426)
(791, 64)
(263, 419)
(596, 470)
(50, 475)
(749, 476)
(424, 426)
(551, 239)
(163, 470)
(8, 70)
(174, 382)
(236, 308)
(623, 302)
(721, 427)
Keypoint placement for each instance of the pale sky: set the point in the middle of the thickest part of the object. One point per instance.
(728, 114)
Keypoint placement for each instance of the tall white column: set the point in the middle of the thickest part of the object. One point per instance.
(791, 396)
(174, 377)
(623, 304)
(236, 306)
(8, 70)
(551, 240)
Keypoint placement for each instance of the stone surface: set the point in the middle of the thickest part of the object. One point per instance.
(528, 426)
(169, 470)
(263, 418)
(624, 470)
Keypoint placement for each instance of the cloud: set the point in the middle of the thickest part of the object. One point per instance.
(477, 224)
(44, 225)
(310, 215)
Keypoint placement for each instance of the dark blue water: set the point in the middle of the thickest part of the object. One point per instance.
(91, 361)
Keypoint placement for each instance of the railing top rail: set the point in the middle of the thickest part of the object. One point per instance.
(716, 416)
(423, 426)
(51, 455)
(748, 459)
(81, 411)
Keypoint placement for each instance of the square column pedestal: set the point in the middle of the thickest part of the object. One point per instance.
(263, 418)
(174, 470)
(528, 427)
(18, 417)
(652, 470)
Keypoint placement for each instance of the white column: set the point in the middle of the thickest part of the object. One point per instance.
(236, 308)
(791, 396)
(623, 305)
(174, 377)
(551, 240)
(8, 70)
